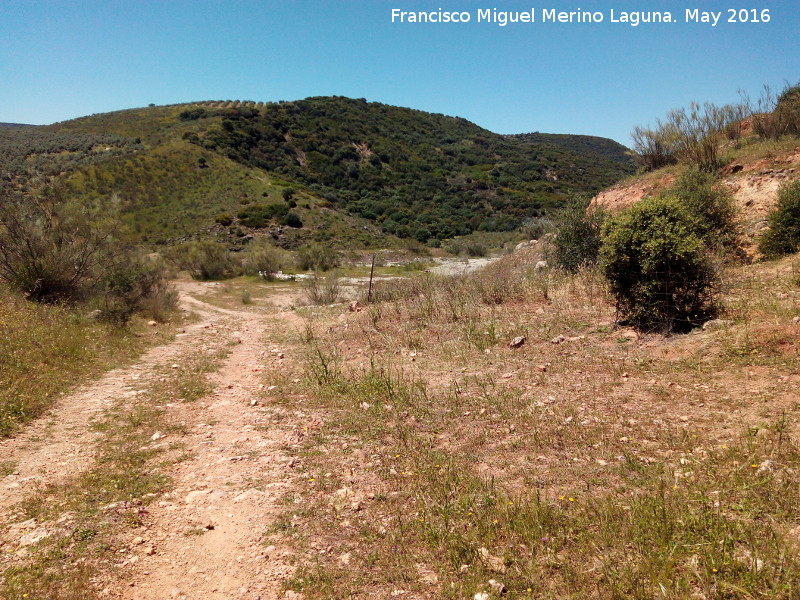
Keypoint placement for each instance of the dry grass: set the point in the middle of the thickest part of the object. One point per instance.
(46, 349)
(588, 463)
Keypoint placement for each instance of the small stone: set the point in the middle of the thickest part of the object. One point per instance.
(517, 341)
(796, 320)
(149, 550)
(138, 541)
(157, 436)
(507, 375)
(152, 323)
(558, 339)
(345, 558)
(254, 402)
(281, 356)
(542, 368)
(481, 596)
(497, 586)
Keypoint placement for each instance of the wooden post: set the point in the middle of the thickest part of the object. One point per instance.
(371, 275)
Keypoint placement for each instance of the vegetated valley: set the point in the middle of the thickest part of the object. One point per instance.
(337, 349)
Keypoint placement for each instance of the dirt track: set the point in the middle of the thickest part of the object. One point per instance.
(204, 539)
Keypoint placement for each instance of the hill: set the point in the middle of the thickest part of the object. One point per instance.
(369, 169)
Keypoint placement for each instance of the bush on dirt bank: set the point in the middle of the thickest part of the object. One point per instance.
(657, 267)
(783, 235)
(711, 208)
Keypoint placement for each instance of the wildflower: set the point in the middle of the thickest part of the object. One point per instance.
(572, 499)
(311, 480)
(714, 570)
(754, 466)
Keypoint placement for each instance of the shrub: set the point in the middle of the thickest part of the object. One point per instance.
(322, 290)
(538, 227)
(783, 235)
(260, 257)
(292, 219)
(55, 251)
(205, 260)
(654, 148)
(315, 257)
(224, 219)
(467, 247)
(137, 284)
(577, 242)
(657, 266)
(712, 209)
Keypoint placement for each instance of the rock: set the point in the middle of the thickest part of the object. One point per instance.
(254, 402)
(542, 264)
(345, 558)
(796, 320)
(481, 596)
(137, 541)
(35, 536)
(195, 496)
(517, 341)
(364, 406)
(354, 306)
(558, 339)
(152, 323)
(491, 561)
(290, 595)
(497, 586)
(542, 368)
(149, 550)
(157, 436)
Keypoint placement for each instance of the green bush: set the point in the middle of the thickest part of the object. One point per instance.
(315, 257)
(711, 208)
(60, 252)
(657, 267)
(205, 260)
(137, 284)
(292, 219)
(783, 235)
(578, 240)
(260, 257)
(224, 219)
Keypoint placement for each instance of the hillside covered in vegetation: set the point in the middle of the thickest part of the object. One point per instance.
(396, 171)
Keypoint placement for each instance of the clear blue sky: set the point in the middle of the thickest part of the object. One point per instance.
(65, 59)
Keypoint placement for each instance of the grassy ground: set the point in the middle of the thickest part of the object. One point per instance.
(46, 349)
(588, 462)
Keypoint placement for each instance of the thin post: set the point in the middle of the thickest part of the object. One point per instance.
(371, 275)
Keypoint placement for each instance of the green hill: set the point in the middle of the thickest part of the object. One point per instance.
(358, 170)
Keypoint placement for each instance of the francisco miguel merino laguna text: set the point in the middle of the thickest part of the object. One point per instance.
(552, 15)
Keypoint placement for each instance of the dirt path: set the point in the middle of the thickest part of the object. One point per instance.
(206, 538)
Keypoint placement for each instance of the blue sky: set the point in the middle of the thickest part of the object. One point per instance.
(65, 59)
